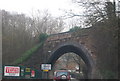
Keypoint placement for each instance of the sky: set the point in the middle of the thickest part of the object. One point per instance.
(55, 7)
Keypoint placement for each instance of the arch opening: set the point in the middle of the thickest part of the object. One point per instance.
(72, 63)
(77, 49)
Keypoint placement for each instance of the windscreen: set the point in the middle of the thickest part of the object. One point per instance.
(61, 73)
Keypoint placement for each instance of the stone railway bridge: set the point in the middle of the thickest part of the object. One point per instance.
(77, 42)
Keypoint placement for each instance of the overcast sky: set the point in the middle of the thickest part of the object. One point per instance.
(55, 7)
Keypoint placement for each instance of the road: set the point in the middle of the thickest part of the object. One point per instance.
(73, 79)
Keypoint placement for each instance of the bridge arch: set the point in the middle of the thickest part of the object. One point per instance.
(77, 49)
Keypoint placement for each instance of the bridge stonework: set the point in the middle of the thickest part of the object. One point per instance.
(55, 40)
(83, 39)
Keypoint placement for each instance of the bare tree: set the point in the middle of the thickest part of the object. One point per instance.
(45, 23)
(94, 11)
(20, 33)
(16, 36)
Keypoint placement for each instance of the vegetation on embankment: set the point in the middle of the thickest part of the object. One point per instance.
(27, 54)
(21, 33)
(78, 31)
(105, 39)
(30, 52)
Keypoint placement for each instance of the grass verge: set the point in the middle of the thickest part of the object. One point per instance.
(27, 54)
